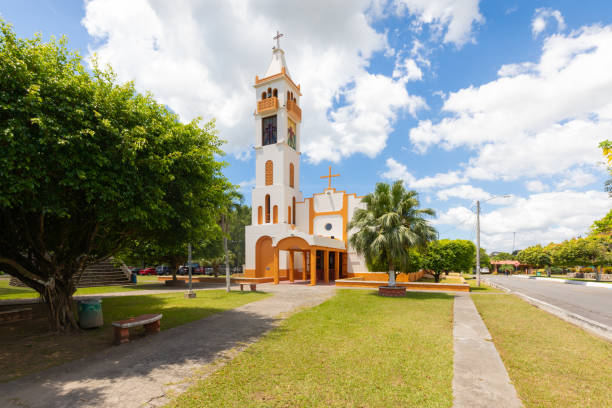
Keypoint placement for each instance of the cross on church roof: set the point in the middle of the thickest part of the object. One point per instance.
(329, 177)
(277, 38)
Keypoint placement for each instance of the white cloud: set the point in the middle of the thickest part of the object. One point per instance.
(398, 171)
(576, 178)
(407, 70)
(539, 218)
(535, 186)
(464, 191)
(541, 17)
(201, 60)
(541, 118)
(452, 18)
(245, 186)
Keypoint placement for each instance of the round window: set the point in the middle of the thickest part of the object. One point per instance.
(328, 226)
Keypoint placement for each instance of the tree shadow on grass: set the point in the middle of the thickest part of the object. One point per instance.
(416, 295)
(119, 373)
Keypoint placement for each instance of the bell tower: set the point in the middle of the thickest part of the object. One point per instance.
(277, 144)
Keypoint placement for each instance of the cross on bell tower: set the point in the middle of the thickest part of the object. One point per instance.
(277, 38)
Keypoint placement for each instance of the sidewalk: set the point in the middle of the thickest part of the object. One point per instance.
(148, 372)
(480, 378)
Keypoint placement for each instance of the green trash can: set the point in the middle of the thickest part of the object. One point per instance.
(538, 273)
(90, 313)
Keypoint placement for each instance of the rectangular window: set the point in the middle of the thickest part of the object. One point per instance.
(268, 130)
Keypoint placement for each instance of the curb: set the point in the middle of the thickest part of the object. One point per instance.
(569, 282)
(593, 327)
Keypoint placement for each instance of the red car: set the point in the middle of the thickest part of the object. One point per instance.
(147, 271)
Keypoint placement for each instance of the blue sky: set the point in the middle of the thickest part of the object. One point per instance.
(461, 99)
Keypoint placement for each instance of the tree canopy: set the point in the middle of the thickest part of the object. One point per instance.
(536, 255)
(438, 257)
(88, 166)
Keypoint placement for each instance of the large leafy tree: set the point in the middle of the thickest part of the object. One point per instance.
(238, 218)
(389, 226)
(503, 256)
(438, 257)
(464, 252)
(606, 147)
(603, 226)
(537, 256)
(87, 166)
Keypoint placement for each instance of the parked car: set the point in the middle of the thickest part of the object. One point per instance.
(163, 270)
(196, 269)
(208, 270)
(147, 271)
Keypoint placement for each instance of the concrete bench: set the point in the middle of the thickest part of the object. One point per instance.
(151, 323)
(15, 315)
(252, 285)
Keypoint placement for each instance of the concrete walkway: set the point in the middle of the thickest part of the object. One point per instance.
(480, 378)
(148, 372)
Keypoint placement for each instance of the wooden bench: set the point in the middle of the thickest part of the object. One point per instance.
(151, 323)
(15, 315)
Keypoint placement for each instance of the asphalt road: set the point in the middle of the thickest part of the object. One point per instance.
(590, 302)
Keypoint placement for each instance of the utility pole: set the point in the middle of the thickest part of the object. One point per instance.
(478, 242)
(227, 269)
(513, 241)
(190, 293)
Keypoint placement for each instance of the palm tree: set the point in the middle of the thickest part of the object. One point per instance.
(391, 224)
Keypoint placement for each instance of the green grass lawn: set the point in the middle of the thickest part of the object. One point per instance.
(443, 279)
(483, 288)
(28, 347)
(13, 292)
(357, 349)
(551, 362)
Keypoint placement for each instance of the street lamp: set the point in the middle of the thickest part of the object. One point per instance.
(478, 234)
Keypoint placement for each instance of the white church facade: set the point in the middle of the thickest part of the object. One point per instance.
(292, 237)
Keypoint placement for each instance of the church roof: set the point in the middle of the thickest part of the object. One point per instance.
(277, 64)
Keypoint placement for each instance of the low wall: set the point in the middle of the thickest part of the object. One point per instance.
(384, 276)
(450, 287)
(220, 279)
(590, 275)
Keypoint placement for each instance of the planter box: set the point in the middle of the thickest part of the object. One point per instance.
(392, 291)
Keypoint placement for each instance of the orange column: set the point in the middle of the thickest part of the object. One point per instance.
(276, 272)
(313, 266)
(337, 266)
(291, 256)
(303, 265)
(326, 267)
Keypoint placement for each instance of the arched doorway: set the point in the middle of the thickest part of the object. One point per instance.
(264, 257)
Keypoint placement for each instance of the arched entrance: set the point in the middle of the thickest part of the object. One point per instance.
(264, 257)
(296, 246)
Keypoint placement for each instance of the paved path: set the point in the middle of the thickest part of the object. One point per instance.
(149, 371)
(590, 302)
(480, 378)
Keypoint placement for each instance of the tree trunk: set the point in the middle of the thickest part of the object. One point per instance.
(548, 271)
(60, 305)
(174, 265)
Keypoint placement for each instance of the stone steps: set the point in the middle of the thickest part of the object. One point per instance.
(104, 273)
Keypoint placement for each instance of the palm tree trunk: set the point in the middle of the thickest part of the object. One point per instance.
(391, 275)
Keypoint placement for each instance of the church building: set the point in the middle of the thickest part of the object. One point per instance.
(292, 237)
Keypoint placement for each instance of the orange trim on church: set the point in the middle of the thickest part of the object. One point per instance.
(283, 73)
